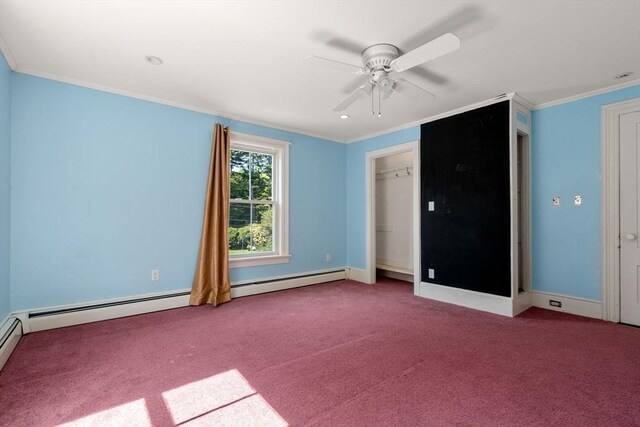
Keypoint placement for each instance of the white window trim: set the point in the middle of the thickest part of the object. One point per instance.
(280, 150)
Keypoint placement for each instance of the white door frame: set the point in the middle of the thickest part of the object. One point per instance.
(370, 233)
(611, 205)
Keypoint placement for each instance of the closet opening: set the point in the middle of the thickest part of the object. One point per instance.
(392, 205)
(394, 216)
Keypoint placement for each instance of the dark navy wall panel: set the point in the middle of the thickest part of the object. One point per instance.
(466, 240)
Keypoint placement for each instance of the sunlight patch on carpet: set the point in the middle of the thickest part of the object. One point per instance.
(223, 399)
(130, 414)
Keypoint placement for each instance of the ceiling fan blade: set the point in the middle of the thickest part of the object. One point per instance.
(457, 22)
(346, 45)
(334, 40)
(355, 83)
(429, 75)
(444, 44)
(410, 90)
(325, 62)
(365, 89)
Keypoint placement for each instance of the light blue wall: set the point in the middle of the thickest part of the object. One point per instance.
(106, 188)
(356, 188)
(5, 166)
(566, 161)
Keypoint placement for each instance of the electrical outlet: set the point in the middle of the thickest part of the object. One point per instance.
(554, 303)
(327, 257)
(555, 201)
(155, 275)
(577, 200)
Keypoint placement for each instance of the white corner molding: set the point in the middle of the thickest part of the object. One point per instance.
(572, 305)
(94, 311)
(358, 275)
(10, 333)
(610, 206)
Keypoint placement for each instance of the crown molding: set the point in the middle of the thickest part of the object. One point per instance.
(169, 103)
(511, 95)
(13, 65)
(502, 97)
(525, 103)
(586, 94)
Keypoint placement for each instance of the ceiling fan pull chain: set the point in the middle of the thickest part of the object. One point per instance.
(379, 104)
(372, 109)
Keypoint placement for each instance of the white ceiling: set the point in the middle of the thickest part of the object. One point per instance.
(244, 59)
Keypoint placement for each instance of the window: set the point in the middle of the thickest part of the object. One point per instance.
(258, 217)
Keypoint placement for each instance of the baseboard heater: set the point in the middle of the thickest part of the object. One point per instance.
(36, 314)
(93, 312)
(9, 340)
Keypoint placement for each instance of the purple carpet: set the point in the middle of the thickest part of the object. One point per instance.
(333, 354)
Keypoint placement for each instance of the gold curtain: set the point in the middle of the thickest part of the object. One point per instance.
(211, 284)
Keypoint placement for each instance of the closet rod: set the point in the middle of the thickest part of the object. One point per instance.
(406, 169)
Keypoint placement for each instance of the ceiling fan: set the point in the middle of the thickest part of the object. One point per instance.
(380, 62)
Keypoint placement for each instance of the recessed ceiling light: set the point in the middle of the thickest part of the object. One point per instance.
(345, 116)
(153, 60)
(623, 75)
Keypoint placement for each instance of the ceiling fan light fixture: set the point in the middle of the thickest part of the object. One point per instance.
(380, 60)
(153, 60)
(344, 116)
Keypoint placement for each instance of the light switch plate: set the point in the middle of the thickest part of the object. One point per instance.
(432, 206)
(432, 273)
(555, 201)
(577, 200)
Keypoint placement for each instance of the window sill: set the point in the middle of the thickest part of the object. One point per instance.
(258, 260)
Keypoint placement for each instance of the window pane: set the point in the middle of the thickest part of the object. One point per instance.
(239, 174)
(262, 228)
(261, 176)
(239, 228)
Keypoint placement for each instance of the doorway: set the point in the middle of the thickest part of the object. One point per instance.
(621, 223)
(629, 220)
(394, 216)
(386, 228)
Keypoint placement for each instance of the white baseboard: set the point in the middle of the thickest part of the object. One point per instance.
(470, 299)
(12, 330)
(261, 288)
(357, 274)
(94, 311)
(573, 305)
(406, 277)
